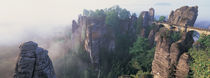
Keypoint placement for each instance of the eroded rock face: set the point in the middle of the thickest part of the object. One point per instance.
(169, 56)
(161, 62)
(94, 38)
(152, 14)
(33, 62)
(147, 17)
(77, 36)
(184, 16)
(93, 34)
(151, 36)
(99, 37)
(182, 68)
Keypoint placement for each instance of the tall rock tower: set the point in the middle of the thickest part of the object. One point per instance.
(147, 17)
(33, 62)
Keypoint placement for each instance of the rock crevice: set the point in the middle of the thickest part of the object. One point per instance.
(170, 55)
(33, 62)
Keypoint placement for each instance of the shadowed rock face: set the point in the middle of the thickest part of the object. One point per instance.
(147, 17)
(33, 62)
(170, 58)
(184, 16)
(98, 36)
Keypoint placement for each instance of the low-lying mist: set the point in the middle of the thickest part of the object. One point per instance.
(55, 39)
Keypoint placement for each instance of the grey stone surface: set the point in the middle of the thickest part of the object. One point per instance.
(169, 56)
(33, 62)
(147, 17)
(184, 16)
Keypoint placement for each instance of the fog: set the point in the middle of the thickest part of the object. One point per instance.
(48, 22)
(23, 18)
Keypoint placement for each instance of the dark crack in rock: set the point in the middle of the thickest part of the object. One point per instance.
(33, 62)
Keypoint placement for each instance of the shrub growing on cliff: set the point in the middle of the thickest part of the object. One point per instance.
(142, 55)
(139, 24)
(162, 19)
(200, 59)
(204, 41)
(141, 74)
(95, 14)
(112, 18)
(175, 36)
(115, 14)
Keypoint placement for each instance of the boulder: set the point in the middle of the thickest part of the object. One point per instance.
(33, 62)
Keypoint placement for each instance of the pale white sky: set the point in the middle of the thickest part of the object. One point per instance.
(18, 18)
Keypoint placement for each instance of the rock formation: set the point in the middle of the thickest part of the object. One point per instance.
(182, 68)
(161, 62)
(33, 62)
(184, 16)
(92, 35)
(98, 36)
(169, 56)
(94, 38)
(151, 36)
(147, 17)
(152, 14)
(77, 36)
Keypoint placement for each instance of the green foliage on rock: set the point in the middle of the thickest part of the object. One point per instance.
(175, 36)
(141, 74)
(123, 60)
(204, 41)
(162, 19)
(139, 24)
(200, 61)
(142, 55)
(112, 18)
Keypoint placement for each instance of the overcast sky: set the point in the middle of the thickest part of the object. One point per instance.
(20, 17)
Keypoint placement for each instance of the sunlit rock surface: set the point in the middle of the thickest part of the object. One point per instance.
(33, 62)
(184, 16)
(170, 56)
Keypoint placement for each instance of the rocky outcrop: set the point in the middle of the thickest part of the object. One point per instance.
(98, 36)
(151, 36)
(183, 68)
(147, 17)
(77, 36)
(93, 34)
(152, 14)
(161, 62)
(95, 37)
(169, 56)
(184, 16)
(33, 62)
